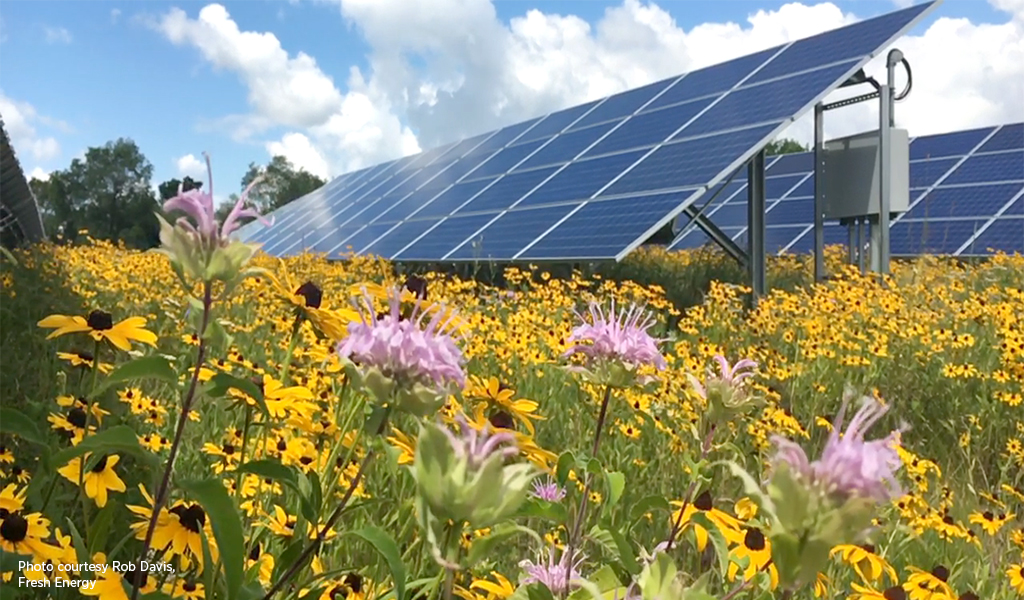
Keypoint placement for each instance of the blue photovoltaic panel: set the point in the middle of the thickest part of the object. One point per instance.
(580, 180)
(688, 163)
(1010, 137)
(1006, 235)
(926, 172)
(1008, 165)
(503, 161)
(510, 233)
(442, 239)
(769, 101)
(649, 128)
(951, 144)
(621, 105)
(791, 212)
(685, 133)
(850, 42)
(602, 228)
(973, 201)
(506, 191)
(566, 146)
(1017, 208)
(833, 233)
(712, 80)
(802, 163)
(936, 236)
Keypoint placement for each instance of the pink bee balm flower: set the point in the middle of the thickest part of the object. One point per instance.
(611, 337)
(548, 490)
(199, 205)
(730, 376)
(850, 466)
(406, 350)
(476, 446)
(556, 576)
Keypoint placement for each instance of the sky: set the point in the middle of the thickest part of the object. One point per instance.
(336, 85)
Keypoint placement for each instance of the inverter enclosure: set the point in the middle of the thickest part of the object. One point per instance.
(852, 175)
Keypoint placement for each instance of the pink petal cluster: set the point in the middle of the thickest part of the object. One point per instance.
(624, 337)
(729, 375)
(548, 490)
(478, 445)
(554, 575)
(199, 205)
(850, 466)
(405, 349)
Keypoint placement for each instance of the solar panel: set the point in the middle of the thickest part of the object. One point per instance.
(966, 191)
(628, 163)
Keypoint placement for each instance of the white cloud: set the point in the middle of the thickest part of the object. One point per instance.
(57, 35)
(190, 166)
(20, 119)
(38, 173)
(446, 77)
(301, 153)
(115, 15)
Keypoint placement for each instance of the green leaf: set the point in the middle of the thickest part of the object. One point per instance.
(385, 545)
(616, 485)
(116, 440)
(648, 504)
(291, 554)
(252, 591)
(565, 463)
(718, 540)
(76, 539)
(627, 558)
(271, 469)
(750, 487)
(14, 422)
(227, 529)
(542, 509)
(99, 529)
(220, 383)
(147, 367)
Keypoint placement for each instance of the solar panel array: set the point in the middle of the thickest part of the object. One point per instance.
(589, 182)
(966, 197)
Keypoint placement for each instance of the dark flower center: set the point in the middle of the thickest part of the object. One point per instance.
(254, 554)
(754, 539)
(968, 596)
(502, 420)
(416, 285)
(354, 581)
(337, 592)
(77, 417)
(703, 502)
(17, 471)
(188, 586)
(14, 529)
(895, 593)
(102, 464)
(192, 518)
(281, 445)
(312, 293)
(137, 576)
(306, 460)
(941, 572)
(987, 515)
(869, 547)
(87, 356)
(228, 449)
(99, 320)
(3, 513)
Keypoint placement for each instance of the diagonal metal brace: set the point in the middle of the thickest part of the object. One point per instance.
(712, 231)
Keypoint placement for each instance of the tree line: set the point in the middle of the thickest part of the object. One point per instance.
(109, 193)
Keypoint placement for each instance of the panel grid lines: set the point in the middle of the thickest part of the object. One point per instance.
(989, 224)
(563, 167)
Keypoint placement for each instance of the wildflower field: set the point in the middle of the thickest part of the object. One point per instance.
(336, 438)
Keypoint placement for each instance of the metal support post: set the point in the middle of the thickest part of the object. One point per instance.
(755, 228)
(861, 226)
(851, 232)
(819, 192)
(880, 233)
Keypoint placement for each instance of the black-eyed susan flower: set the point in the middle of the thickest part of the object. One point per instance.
(990, 522)
(80, 358)
(98, 481)
(11, 499)
(110, 584)
(179, 529)
(499, 589)
(729, 526)
(100, 326)
(185, 589)
(502, 397)
(861, 592)
(757, 549)
(925, 585)
(1016, 575)
(6, 456)
(280, 523)
(24, 534)
(869, 566)
(265, 561)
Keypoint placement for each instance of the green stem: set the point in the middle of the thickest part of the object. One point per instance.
(186, 406)
(452, 552)
(678, 525)
(85, 434)
(292, 343)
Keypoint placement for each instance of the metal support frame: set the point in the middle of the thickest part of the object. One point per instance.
(702, 221)
(756, 228)
(879, 247)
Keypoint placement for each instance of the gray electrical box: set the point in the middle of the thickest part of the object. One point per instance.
(852, 175)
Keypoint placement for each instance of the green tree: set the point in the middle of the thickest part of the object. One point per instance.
(282, 184)
(108, 192)
(169, 188)
(784, 146)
